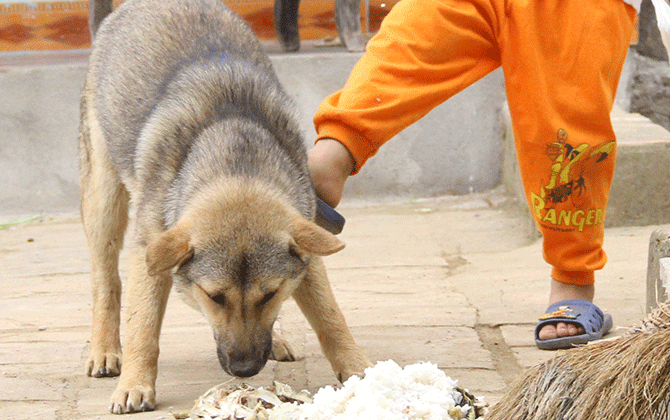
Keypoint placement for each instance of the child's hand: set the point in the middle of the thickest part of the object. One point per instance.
(330, 165)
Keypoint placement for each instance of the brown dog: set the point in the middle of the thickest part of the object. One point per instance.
(183, 117)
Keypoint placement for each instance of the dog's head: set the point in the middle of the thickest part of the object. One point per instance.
(237, 260)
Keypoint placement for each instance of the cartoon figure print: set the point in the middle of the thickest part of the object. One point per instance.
(567, 182)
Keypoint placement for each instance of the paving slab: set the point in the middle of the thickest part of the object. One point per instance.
(454, 280)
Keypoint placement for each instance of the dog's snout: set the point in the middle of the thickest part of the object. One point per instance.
(243, 364)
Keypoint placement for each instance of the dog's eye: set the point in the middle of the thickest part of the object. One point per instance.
(220, 299)
(267, 298)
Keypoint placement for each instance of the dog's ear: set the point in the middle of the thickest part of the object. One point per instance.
(171, 249)
(314, 239)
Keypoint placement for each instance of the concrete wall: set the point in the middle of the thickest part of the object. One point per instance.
(455, 149)
(39, 114)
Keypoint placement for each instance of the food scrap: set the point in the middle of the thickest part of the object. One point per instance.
(244, 402)
(389, 392)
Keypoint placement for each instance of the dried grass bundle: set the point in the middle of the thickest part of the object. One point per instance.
(621, 379)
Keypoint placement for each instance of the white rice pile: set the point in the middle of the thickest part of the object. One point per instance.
(387, 392)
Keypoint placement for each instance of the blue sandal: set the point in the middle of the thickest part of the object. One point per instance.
(578, 312)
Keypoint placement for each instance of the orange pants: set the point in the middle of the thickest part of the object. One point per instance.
(561, 60)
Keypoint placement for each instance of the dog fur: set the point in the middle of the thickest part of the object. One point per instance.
(185, 125)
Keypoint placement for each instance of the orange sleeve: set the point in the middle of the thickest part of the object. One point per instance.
(425, 52)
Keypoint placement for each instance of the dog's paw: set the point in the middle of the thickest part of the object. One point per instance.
(281, 351)
(103, 365)
(133, 399)
(354, 366)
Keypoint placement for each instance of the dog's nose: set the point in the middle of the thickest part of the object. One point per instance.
(245, 369)
(242, 364)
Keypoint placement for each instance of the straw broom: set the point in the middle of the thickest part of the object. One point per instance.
(621, 379)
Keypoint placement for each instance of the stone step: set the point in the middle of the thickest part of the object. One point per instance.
(640, 192)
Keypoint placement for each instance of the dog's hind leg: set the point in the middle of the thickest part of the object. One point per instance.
(317, 302)
(104, 211)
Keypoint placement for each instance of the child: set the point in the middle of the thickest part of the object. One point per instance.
(561, 59)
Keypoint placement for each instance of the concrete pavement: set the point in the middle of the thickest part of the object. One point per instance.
(454, 280)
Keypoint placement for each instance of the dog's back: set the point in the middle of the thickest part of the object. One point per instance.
(165, 72)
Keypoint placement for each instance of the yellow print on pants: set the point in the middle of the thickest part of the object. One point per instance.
(567, 181)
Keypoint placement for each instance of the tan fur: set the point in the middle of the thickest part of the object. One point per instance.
(171, 249)
(314, 239)
(234, 246)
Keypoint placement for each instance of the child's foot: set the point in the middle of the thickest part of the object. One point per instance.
(559, 292)
(578, 312)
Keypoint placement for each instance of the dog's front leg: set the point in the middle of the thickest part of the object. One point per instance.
(317, 302)
(146, 301)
